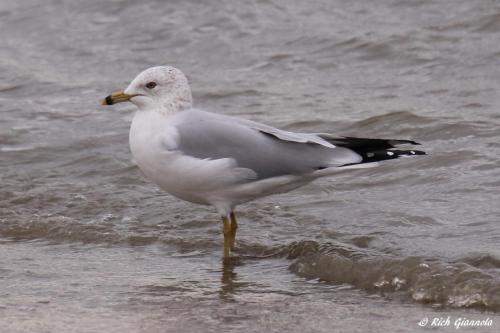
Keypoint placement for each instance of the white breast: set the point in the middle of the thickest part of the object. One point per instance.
(153, 142)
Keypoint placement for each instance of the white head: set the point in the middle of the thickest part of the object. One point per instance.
(161, 88)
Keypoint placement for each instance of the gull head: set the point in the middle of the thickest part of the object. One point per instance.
(162, 88)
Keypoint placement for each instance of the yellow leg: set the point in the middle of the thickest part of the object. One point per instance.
(234, 227)
(227, 236)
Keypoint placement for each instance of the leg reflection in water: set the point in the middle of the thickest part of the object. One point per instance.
(229, 279)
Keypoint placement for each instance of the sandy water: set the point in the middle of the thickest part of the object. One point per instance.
(88, 245)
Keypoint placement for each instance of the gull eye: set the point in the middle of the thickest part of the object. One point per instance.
(150, 85)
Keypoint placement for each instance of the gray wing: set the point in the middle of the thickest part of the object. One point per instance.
(268, 151)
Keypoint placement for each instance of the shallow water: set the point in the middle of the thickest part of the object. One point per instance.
(88, 244)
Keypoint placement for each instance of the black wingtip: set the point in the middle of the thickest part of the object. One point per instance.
(374, 150)
(390, 154)
(367, 145)
(403, 142)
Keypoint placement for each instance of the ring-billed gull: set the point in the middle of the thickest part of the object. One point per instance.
(223, 161)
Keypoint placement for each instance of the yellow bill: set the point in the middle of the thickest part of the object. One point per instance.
(116, 97)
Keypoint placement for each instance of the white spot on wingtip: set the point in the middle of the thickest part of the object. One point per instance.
(390, 153)
(370, 154)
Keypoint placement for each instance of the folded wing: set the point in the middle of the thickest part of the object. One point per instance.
(267, 151)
